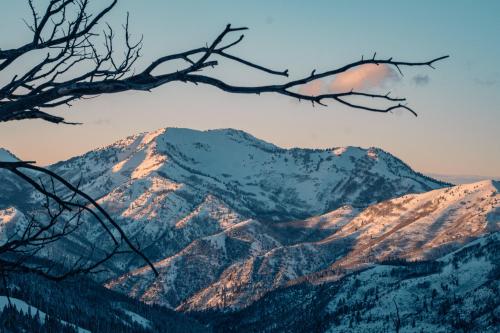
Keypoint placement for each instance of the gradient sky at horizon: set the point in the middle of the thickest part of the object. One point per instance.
(457, 131)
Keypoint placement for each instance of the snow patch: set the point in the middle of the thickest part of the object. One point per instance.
(137, 318)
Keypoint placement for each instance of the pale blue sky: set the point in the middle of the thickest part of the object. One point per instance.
(457, 131)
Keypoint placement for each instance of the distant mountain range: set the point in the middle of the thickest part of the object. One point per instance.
(233, 223)
(461, 179)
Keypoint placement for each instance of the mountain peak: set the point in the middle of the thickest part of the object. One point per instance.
(223, 136)
(246, 172)
(7, 156)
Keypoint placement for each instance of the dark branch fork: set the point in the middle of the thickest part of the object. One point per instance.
(44, 86)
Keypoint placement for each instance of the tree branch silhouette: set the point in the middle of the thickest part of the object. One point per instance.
(22, 247)
(74, 67)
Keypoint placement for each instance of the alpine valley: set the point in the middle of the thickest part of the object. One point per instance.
(250, 237)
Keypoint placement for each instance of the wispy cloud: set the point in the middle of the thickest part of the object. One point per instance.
(364, 77)
(421, 80)
(490, 79)
(313, 88)
(486, 82)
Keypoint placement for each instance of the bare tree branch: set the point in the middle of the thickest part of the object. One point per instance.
(49, 83)
(35, 237)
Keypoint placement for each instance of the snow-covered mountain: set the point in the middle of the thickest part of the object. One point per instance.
(459, 292)
(229, 219)
(461, 179)
(151, 181)
(256, 178)
(235, 267)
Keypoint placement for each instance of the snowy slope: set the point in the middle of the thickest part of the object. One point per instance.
(198, 265)
(461, 288)
(206, 275)
(459, 292)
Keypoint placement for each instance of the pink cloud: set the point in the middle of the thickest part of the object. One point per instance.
(363, 77)
(313, 88)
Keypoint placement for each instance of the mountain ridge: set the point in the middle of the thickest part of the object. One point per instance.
(187, 150)
(228, 218)
(309, 260)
